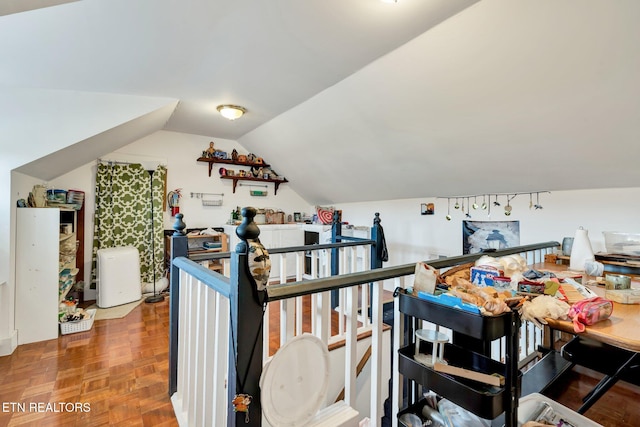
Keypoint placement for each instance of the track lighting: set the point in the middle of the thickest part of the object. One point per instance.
(487, 203)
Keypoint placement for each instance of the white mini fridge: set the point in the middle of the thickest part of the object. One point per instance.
(118, 276)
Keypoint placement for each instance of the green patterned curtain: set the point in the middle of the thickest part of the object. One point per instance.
(128, 199)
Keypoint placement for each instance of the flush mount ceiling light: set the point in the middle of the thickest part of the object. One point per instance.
(231, 112)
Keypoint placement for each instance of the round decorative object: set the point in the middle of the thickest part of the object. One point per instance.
(259, 263)
(325, 216)
(251, 158)
(294, 382)
(222, 171)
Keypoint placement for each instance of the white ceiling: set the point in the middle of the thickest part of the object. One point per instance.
(414, 99)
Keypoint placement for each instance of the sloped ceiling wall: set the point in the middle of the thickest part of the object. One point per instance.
(503, 97)
(46, 133)
(8, 7)
(493, 96)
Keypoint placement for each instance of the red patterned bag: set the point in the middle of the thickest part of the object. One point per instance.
(589, 311)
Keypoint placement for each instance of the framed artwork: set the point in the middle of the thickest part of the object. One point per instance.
(427, 209)
(486, 236)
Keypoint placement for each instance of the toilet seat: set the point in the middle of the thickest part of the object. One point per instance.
(294, 382)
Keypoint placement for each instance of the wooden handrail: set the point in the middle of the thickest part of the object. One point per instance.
(307, 287)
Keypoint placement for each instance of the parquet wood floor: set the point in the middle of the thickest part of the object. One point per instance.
(617, 408)
(120, 369)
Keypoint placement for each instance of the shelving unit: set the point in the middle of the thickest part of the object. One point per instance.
(196, 246)
(212, 161)
(485, 401)
(236, 178)
(38, 270)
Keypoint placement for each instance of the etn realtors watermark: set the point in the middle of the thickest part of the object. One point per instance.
(50, 407)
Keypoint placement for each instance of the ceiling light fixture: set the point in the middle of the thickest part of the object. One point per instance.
(231, 112)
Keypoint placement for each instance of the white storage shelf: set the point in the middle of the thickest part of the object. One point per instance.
(37, 273)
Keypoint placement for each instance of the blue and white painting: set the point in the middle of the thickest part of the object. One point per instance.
(484, 236)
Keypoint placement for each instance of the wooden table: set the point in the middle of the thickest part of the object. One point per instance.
(621, 330)
(620, 334)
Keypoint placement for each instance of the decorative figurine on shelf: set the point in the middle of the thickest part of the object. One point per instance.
(259, 161)
(220, 155)
(256, 171)
(234, 155)
(242, 158)
(251, 158)
(211, 151)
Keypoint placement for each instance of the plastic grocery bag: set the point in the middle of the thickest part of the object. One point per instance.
(425, 279)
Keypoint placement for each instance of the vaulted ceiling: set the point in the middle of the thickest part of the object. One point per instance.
(362, 100)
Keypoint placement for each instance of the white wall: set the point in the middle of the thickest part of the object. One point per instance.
(35, 123)
(411, 236)
(179, 152)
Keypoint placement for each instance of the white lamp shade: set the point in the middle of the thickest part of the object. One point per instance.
(231, 112)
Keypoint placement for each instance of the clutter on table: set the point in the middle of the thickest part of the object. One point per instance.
(492, 286)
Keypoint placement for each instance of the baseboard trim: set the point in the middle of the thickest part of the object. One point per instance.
(9, 344)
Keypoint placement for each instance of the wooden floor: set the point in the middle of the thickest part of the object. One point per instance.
(617, 408)
(119, 371)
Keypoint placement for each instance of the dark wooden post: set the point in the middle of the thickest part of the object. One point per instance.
(336, 232)
(179, 248)
(378, 248)
(245, 341)
(378, 251)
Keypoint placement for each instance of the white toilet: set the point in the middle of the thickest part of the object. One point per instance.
(294, 386)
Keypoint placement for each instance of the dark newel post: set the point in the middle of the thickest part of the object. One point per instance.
(376, 248)
(245, 347)
(336, 232)
(376, 251)
(179, 247)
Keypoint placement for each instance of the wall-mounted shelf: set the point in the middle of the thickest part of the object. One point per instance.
(237, 178)
(211, 162)
(276, 182)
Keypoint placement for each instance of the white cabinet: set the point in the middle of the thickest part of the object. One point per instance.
(274, 236)
(285, 238)
(37, 257)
